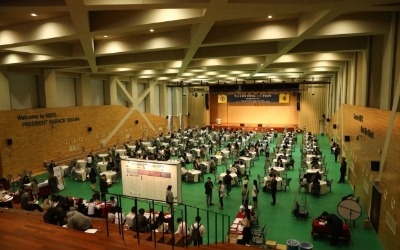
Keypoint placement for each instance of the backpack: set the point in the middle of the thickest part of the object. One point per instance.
(195, 234)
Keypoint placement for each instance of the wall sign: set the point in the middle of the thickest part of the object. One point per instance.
(35, 120)
(258, 98)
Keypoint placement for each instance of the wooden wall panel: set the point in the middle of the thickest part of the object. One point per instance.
(359, 154)
(70, 137)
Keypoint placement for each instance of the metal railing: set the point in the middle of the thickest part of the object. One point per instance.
(216, 224)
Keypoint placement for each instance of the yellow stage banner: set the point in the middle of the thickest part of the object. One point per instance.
(222, 99)
(284, 98)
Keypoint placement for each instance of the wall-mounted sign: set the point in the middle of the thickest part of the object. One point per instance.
(359, 118)
(258, 98)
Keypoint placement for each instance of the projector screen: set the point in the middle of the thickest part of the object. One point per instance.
(150, 179)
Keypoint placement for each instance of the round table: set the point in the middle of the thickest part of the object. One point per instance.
(278, 180)
(233, 175)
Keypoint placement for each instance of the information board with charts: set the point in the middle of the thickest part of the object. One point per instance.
(150, 179)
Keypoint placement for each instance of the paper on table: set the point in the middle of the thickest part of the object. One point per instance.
(91, 231)
(237, 220)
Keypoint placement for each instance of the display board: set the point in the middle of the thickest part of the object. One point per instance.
(150, 179)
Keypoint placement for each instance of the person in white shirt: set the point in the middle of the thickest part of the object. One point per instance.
(130, 216)
(199, 228)
(182, 229)
(113, 201)
(91, 208)
(119, 216)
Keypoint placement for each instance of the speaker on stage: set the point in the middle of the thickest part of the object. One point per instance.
(375, 165)
(241, 124)
(206, 101)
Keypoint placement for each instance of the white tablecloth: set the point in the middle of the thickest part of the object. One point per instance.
(278, 180)
(121, 152)
(278, 169)
(323, 187)
(195, 173)
(82, 163)
(233, 175)
(82, 174)
(110, 175)
(246, 160)
(102, 166)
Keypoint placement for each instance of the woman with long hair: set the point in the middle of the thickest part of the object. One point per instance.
(254, 193)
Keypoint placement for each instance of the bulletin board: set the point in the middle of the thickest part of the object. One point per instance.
(150, 179)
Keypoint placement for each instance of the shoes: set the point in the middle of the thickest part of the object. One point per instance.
(247, 245)
(273, 204)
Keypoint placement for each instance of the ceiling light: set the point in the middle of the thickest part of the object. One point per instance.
(269, 17)
(151, 30)
(105, 36)
(33, 14)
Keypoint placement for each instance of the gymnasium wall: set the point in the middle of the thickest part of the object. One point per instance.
(63, 133)
(367, 128)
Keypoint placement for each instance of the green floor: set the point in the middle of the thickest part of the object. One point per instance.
(280, 223)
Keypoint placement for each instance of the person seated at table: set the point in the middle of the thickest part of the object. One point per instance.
(273, 172)
(212, 164)
(93, 211)
(290, 162)
(27, 203)
(140, 223)
(284, 156)
(96, 196)
(160, 223)
(183, 171)
(80, 206)
(113, 201)
(54, 216)
(5, 198)
(335, 225)
(78, 221)
(279, 163)
(314, 162)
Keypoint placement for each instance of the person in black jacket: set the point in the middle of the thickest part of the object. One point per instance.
(335, 225)
(343, 169)
(103, 186)
(274, 187)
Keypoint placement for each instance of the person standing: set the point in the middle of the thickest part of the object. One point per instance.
(208, 190)
(245, 222)
(245, 195)
(169, 198)
(196, 232)
(343, 169)
(103, 187)
(254, 193)
(53, 183)
(93, 177)
(274, 185)
(221, 192)
(337, 151)
(228, 182)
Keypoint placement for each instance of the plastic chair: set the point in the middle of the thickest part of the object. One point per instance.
(259, 235)
(286, 183)
(329, 185)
